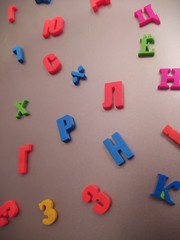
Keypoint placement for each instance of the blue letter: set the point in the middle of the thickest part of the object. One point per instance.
(65, 125)
(19, 54)
(43, 1)
(161, 192)
(115, 149)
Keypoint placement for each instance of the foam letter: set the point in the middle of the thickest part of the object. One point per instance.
(65, 125)
(152, 17)
(119, 146)
(52, 64)
(11, 13)
(144, 50)
(53, 27)
(175, 79)
(162, 192)
(23, 158)
(115, 88)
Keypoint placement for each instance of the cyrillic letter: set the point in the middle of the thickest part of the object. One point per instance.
(23, 158)
(171, 133)
(97, 3)
(53, 27)
(152, 17)
(119, 146)
(162, 192)
(175, 79)
(11, 13)
(144, 50)
(43, 1)
(18, 51)
(52, 64)
(21, 106)
(115, 88)
(65, 125)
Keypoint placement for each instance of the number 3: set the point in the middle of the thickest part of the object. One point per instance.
(8, 210)
(103, 201)
(48, 207)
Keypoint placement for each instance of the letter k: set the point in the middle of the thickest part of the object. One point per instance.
(162, 192)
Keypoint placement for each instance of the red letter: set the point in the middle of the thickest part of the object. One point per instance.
(115, 88)
(11, 13)
(23, 157)
(53, 27)
(171, 133)
(52, 63)
(97, 3)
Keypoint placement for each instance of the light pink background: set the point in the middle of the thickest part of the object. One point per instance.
(107, 45)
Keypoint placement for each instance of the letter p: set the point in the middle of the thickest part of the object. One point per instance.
(65, 125)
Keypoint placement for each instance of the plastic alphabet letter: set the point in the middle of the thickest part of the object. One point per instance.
(18, 51)
(23, 158)
(115, 88)
(97, 3)
(174, 78)
(162, 192)
(21, 107)
(77, 76)
(52, 64)
(48, 207)
(144, 49)
(53, 27)
(115, 149)
(152, 17)
(171, 133)
(43, 1)
(65, 125)
(8, 210)
(11, 13)
(103, 201)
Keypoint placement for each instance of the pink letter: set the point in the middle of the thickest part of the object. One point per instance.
(175, 79)
(152, 17)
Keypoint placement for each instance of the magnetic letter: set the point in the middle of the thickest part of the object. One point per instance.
(11, 13)
(165, 79)
(152, 17)
(21, 106)
(162, 192)
(116, 89)
(97, 3)
(171, 133)
(43, 1)
(53, 27)
(119, 146)
(144, 50)
(52, 64)
(23, 158)
(65, 125)
(18, 51)
(77, 76)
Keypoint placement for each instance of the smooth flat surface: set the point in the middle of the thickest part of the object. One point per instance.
(107, 45)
